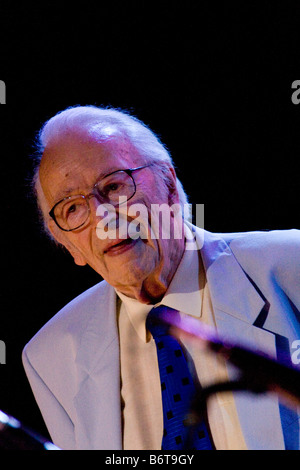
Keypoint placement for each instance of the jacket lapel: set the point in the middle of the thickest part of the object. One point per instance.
(98, 399)
(237, 304)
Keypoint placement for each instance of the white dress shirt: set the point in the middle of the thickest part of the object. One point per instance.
(140, 382)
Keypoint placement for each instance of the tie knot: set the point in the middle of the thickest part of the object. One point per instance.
(156, 320)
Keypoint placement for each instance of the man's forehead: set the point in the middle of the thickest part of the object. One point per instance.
(74, 147)
(70, 143)
(76, 158)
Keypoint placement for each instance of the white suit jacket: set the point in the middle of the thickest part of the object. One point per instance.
(73, 367)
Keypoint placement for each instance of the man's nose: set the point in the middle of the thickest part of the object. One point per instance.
(102, 215)
(97, 208)
(94, 201)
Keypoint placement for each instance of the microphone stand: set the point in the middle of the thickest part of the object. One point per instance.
(258, 372)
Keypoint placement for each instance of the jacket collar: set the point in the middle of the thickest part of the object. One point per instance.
(237, 304)
(230, 288)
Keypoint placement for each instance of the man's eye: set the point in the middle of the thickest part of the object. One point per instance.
(74, 210)
(111, 187)
(71, 209)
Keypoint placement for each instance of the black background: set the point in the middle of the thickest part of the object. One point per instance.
(212, 79)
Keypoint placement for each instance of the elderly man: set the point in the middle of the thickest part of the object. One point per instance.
(96, 367)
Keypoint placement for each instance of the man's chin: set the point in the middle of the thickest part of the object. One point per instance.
(128, 274)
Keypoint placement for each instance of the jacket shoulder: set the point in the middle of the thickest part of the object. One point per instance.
(255, 238)
(61, 335)
(275, 245)
(271, 259)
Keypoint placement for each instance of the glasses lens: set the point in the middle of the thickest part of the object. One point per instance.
(114, 186)
(72, 212)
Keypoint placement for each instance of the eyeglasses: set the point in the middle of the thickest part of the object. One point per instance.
(72, 212)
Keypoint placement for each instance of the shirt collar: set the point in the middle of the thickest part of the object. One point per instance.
(184, 293)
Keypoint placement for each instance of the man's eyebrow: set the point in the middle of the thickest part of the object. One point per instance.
(77, 190)
(67, 192)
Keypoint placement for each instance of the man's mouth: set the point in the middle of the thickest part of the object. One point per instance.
(120, 247)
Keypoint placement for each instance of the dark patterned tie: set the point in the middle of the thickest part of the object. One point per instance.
(178, 390)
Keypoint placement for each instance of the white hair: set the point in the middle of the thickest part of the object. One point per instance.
(105, 123)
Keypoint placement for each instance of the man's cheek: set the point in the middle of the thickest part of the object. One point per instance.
(138, 222)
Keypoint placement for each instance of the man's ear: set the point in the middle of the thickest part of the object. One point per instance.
(172, 187)
(61, 239)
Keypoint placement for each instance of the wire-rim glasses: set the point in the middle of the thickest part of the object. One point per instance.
(72, 212)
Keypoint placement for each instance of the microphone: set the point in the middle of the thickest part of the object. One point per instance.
(259, 372)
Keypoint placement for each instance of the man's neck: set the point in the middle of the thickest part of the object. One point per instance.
(154, 287)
